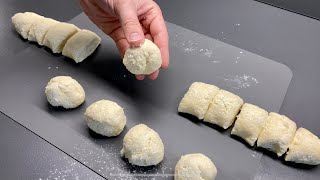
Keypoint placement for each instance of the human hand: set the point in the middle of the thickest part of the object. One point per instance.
(128, 22)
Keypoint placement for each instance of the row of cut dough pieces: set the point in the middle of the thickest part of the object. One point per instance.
(58, 36)
(142, 146)
(272, 131)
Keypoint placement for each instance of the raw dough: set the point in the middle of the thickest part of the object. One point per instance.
(81, 45)
(223, 109)
(277, 133)
(305, 148)
(145, 59)
(58, 35)
(195, 167)
(39, 29)
(106, 118)
(249, 123)
(196, 101)
(24, 21)
(64, 91)
(142, 146)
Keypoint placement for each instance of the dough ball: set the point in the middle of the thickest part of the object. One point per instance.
(23, 22)
(249, 123)
(81, 45)
(305, 148)
(223, 109)
(58, 35)
(197, 100)
(195, 167)
(142, 146)
(277, 133)
(145, 59)
(64, 91)
(39, 29)
(106, 118)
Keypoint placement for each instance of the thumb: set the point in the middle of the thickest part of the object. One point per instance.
(131, 26)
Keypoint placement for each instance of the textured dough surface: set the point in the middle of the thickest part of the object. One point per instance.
(195, 167)
(58, 35)
(23, 22)
(249, 123)
(144, 59)
(81, 45)
(64, 91)
(223, 109)
(277, 133)
(142, 146)
(39, 29)
(305, 148)
(106, 118)
(197, 99)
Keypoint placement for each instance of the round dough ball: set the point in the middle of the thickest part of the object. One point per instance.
(142, 146)
(145, 59)
(106, 118)
(65, 91)
(195, 167)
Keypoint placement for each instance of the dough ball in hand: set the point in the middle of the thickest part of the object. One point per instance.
(142, 146)
(249, 123)
(24, 21)
(81, 45)
(223, 109)
(144, 59)
(277, 133)
(195, 167)
(64, 91)
(58, 35)
(106, 118)
(197, 100)
(305, 148)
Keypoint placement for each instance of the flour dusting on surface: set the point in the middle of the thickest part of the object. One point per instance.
(239, 81)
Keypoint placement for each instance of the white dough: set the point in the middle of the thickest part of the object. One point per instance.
(142, 146)
(24, 21)
(106, 118)
(58, 35)
(223, 109)
(305, 148)
(277, 133)
(249, 123)
(197, 100)
(145, 59)
(64, 91)
(39, 29)
(195, 167)
(81, 45)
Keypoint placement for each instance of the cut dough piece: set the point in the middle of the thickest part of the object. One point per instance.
(39, 29)
(64, 91)
(277, 133)
(145, 59)
(196, 101)
(142, 146)
(81, 45)
(23, 22)
(106, 118)
(249, 123)
(195, 167)
(223, 109)
(58, 35)
(305, 148)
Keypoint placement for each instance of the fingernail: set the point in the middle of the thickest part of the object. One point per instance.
(135, 37)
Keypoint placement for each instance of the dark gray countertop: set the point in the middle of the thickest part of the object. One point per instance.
(277, 34)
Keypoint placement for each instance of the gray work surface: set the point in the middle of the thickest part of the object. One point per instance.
(194, 58)
(268, 31)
